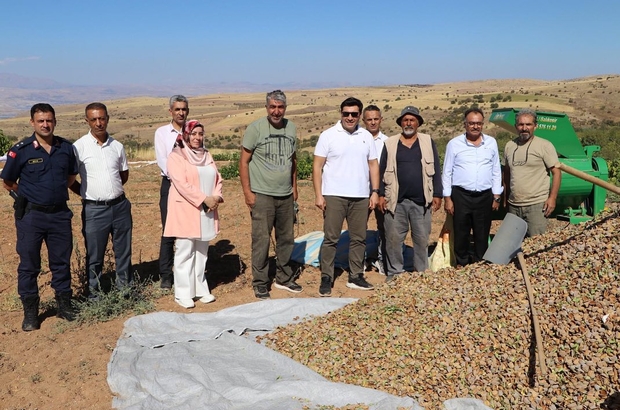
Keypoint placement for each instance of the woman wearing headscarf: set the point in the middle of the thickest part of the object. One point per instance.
(192, 213)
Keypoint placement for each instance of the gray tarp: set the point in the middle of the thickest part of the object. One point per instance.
(210, 360)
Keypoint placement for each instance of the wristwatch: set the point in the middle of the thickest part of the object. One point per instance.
(375, 191)
(498, 199)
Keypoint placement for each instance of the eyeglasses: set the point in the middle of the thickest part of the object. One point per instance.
(472, 124)
(527, 153)
(353, 114)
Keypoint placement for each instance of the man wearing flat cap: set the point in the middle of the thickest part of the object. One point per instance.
(410, 191)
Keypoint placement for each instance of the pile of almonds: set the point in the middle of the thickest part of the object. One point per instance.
(468, 332)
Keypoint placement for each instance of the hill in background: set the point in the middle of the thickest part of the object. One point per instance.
(587, 101)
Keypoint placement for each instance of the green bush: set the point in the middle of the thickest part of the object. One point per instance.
(136, 299)
(5, 143)
(304, 166)
(230, 171)
(614, 171)
(226, 156)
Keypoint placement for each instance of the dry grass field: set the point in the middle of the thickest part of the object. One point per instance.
(586, 100)
(64, 366)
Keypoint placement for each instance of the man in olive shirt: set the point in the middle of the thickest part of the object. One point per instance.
(268, 172)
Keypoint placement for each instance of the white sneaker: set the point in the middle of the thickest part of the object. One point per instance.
(186, 303)
(207, 298)
(378, 265)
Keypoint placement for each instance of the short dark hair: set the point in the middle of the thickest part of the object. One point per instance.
(371, 107)
(351, 102)
(96, 106)
(473, 109)
(41, 107)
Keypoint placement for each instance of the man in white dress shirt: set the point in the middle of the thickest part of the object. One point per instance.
(165, 137)
(103, 170)
(371, 116)
(472, 186)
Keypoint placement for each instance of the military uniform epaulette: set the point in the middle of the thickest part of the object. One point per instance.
(24, 143)
(29, 140)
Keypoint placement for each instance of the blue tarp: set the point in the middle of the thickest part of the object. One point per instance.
(308, 247)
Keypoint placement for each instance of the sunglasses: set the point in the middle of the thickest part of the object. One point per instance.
(353, 114)
(527, 154)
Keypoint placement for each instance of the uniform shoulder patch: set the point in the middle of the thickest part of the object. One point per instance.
(23, 143)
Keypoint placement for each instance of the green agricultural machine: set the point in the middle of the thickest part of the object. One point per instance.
(582, 193)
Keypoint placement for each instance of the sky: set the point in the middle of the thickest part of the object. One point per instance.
(355, 43)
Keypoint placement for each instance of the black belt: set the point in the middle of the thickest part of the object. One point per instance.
(111, 202)
(47, 209)
(471, 193)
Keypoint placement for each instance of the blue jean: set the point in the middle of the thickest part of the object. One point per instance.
(98, 223)
(407, 215)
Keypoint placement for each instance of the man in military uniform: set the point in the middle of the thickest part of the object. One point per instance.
(37, 173)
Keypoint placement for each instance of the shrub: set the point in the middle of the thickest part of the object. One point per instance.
(230, 171)
(226, 156)
(137, 298)
(5, 143)
(304, 166)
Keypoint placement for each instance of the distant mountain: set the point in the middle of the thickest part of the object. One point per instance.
(8, 80)
(19, 93)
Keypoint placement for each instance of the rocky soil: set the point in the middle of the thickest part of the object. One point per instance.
(468, 332)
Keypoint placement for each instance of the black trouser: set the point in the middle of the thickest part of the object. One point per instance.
(52, 226)
(472, 212)
(166, 246)
(381, 251)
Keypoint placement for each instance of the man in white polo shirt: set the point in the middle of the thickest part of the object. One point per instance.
(345, 163)
(103, 170)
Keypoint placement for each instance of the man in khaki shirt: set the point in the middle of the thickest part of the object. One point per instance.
(528, 161)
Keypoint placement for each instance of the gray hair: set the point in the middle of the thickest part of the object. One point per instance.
(277, 95)
(371, 108)
(178, 98)
(526, 111)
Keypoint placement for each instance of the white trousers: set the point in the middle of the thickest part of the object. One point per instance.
(190, 259)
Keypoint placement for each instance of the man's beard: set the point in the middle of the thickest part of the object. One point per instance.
(524, 136)
(409, 131)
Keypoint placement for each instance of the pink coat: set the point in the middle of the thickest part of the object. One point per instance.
(185, 198)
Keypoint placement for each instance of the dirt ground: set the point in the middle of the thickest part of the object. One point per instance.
(62, 366)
